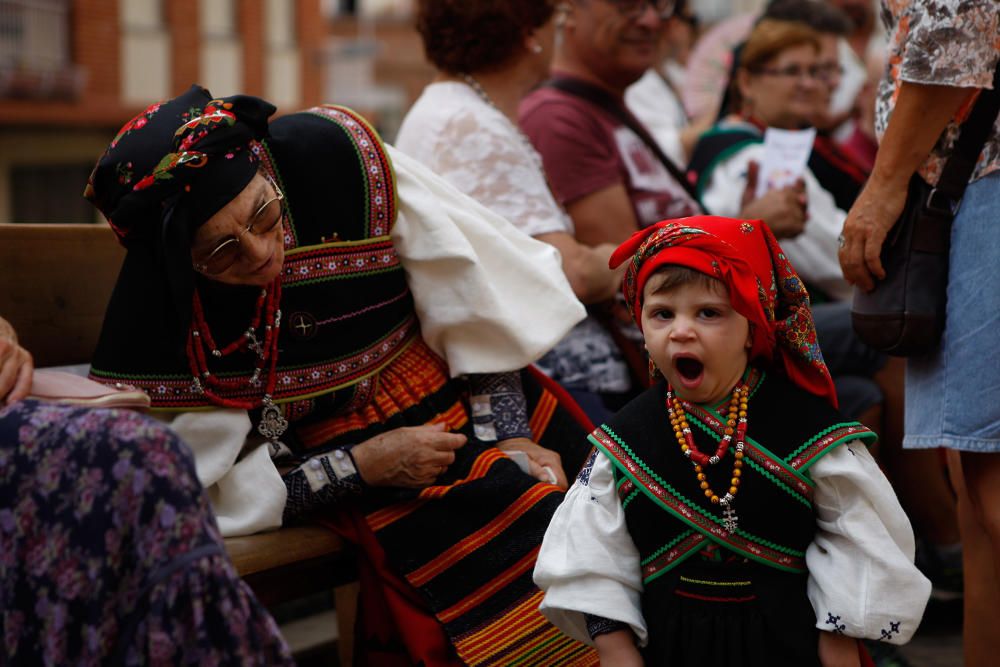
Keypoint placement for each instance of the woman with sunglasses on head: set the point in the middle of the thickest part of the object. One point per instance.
(339, 334)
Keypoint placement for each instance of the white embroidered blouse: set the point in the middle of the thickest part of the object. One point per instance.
(862, 581)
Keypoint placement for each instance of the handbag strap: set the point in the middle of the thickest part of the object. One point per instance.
(974, 132)
(606, 101)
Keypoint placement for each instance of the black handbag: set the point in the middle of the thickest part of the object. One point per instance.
(904, 315)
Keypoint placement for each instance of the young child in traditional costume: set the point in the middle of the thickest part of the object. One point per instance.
(729, 515)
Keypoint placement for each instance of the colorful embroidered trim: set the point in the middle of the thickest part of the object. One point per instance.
(676, 552)
(670, 499)
(712, 598)
(625, 488)
(178, 392)
(813, 449)
(380, 179)
(772, 466)
(522, 636)
(335, 261)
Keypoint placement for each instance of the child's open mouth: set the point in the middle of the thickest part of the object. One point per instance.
(689, 369)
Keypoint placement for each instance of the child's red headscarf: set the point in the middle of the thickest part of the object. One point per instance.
(763, 287)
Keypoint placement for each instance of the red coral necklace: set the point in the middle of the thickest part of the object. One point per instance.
(736, 425)
(261, 337)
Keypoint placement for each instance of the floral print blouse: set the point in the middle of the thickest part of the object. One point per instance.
(943, 42)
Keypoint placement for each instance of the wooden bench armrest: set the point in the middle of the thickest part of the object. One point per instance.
(291, 562)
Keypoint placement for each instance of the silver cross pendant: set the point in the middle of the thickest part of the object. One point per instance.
(272, 423)
(729, 519)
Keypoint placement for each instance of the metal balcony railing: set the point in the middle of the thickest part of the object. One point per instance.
(35, 50)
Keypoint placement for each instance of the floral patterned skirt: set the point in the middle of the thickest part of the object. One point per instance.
(109, 552)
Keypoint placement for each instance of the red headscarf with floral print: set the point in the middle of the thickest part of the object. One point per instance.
(763, 287)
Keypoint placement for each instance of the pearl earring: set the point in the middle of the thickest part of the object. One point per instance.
(536, 48)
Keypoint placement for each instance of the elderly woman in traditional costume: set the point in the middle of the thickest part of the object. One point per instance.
(336, 331)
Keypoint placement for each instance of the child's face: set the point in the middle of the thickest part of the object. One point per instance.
(696, 339)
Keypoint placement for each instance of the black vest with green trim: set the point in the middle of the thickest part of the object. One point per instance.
(711, 597)
(788, 430)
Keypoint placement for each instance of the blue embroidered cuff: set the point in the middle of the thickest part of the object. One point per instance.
(598, 625)
(499, 409)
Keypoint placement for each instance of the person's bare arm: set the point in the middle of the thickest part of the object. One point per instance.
(585, 267)
(921, 114)
(603, 216)
(618, 649)
(838, 650)
(16, 366)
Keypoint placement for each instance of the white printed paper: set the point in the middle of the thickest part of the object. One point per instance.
(786, 153)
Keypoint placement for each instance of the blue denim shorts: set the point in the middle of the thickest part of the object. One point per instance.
(953, 395)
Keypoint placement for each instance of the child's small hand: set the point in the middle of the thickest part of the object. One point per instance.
(838, 650)
(618, 649)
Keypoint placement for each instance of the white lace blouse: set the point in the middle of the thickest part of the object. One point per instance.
(480, 151)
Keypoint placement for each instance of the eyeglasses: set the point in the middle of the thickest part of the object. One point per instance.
(264, 220)
(631, 8)
(817, 72)
(829, 71)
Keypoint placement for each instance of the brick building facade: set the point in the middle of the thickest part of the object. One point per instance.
(73, 71)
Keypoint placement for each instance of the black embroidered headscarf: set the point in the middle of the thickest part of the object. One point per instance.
(193, 152)
(345, 307)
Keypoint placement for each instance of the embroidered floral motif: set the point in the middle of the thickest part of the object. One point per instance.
(137, 123)
(893, 630)
(584, 477)
(838, 627)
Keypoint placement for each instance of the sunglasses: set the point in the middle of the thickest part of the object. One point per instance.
(264, 220)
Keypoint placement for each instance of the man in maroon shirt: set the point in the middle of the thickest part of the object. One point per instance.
(610, 181)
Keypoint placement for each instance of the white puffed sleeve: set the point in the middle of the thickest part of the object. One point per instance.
(813, 253)
(588, 563)
(490, 298)
(247, 492)
(862, 581)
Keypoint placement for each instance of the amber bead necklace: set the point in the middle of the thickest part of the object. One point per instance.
(736, 427)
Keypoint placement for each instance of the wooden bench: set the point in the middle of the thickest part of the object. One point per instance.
(55, 282)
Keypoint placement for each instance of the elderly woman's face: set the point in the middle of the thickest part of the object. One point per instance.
(243, 243)
(784, 92)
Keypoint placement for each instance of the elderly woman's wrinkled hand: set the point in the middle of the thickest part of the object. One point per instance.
(16, 366)
(546, 465)
(868, 223)
(784, 210)
(411, 457)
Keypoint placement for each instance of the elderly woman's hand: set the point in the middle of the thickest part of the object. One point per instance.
(411, 457)
(16, 366)
(539, 459)
(867, 225)
(783, 210)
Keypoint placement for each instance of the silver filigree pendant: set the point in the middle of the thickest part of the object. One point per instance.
(272, 423)
(729, 519)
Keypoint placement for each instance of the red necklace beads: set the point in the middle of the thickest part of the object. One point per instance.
(264, 343)
(736, 425)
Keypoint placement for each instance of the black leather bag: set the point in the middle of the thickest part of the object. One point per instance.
(905, 314)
